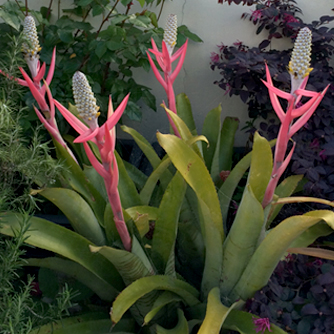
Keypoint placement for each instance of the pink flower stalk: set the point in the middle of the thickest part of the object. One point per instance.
(105, 138)
(31, 50)
(261, 324)
(296, 115)
(165, 60)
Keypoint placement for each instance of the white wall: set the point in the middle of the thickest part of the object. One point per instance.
(215, 24)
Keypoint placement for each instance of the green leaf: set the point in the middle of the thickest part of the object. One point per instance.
(66, 36)
(147, 191)
(78, 212)
(211, 130)
(192, 168)
(75, 270)
(180, 328)
(229, 128)
(84, 2)
(165, 230)
(242, 240)
(215, 315)
(141, 2)
(149, 99)
(242, 322)
(149, 152)
(77, 179)
(185, 31)
(272, 248)
(114, 46)
(128, 264)
(285, 189)
(183, 107)
(126, 187)
(226, 191)
(11, 19)
(164, 299)
(88, 327)
(261, 167)
(138, 177)
(100, 49)
(144, 145)
(144, 285)
(213, 250)
(57, 239)
(69, 322)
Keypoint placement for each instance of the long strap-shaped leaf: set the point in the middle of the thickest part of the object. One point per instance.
(149, 152)
(216, 314)
(60, 240)
(226, 191)
(148, 284)
(211, 130)
(272, 248)
(242, 239)
(77, 179)
(129, 265)
(193, 169)
(75, 270)
(261, 167)
(78, 212)
(183, 107)
(165, 230)
(126, 187)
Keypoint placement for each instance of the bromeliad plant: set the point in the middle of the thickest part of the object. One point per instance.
(159, 242)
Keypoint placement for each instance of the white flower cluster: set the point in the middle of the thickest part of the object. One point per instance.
(299, 65)
(84, 98)
(170, 33)
(32, 48)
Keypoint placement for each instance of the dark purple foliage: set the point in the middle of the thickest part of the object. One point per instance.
(299, 296)
(242, 68)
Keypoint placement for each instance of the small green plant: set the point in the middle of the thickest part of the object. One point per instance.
(19, 311)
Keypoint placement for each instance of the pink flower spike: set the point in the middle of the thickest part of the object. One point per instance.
(178, 53)
(110, 108)
(180, 63)
(76, 124)
(166, 57)
(273, 98)
(40, 74)
(159, 58)
(86, 136)
(286, 161)
(302, 86)
(115, 178)
(280, 93)
(36, 94)
(112, 121)
(52, 105)
(95, 163)
(107, 146)
(52, 67)
(301, 110)
(50, 129)
(307, 93)
(303, 119)
(156, 72)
